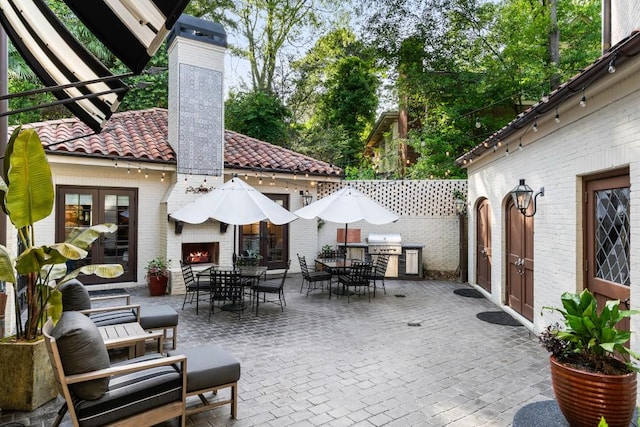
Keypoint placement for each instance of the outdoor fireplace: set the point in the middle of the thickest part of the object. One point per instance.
(200, 253)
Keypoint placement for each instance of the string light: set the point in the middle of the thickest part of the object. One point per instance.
(162, 177)
(246, 177)
(128, 170)
(506, 153)
(139, 169)
(545, 98)
(535, 125)
(478, 124)
(520, 145)
(557, 118)
(146, 173)
(612, 66)
(583, 100)
(116, 164)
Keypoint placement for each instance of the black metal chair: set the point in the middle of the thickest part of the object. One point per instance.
(379, 271)
(359, 277)
(227, 287)
(272, 286)
(194, 286)
(313, 277)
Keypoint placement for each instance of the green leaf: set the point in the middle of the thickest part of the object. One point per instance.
(107, 271)
(84, 237)
(30, 195)
(7, 273)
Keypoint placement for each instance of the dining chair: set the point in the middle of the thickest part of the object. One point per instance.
(313, 277)
(272, 286)
(358, 277)
(194, 285)
(379, 271)
(227, 288)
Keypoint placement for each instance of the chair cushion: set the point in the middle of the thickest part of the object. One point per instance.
(209, 366)
(82, 350)
(75, 296)
(116, 317)
(157, 316)
(132, 393)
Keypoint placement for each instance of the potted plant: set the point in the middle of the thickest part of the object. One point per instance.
(158, 275)
(591, 369)
(27, 196)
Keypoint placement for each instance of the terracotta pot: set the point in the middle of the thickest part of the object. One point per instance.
(585, 397)
(157, 285)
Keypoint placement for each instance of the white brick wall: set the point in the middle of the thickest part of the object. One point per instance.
(600, 137)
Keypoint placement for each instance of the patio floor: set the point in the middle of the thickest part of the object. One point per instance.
(327, 362)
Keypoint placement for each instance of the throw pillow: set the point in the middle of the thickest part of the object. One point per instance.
(75, 296)
(82, 350)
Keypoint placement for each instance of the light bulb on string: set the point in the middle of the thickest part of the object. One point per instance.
(557, 117)
(478, 124)
(116, 165)
(139, 169)
(146, 173)
(612, 66)
(583, 100)
(506, 153)
(545, 98)
(535, 126)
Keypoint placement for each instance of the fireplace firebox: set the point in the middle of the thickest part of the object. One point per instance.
(200, 253)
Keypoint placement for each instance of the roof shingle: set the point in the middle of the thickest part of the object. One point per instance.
(143, 136)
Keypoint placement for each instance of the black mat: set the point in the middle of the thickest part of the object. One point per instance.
(107, 292)
(498, 318)
(471, 293)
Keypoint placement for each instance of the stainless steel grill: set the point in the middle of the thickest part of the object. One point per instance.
(390, 243)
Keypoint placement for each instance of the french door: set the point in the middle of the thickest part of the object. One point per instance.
(87, 206)
(269, 240)
(607, 231)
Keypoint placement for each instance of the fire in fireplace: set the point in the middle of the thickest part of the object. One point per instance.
(200, 253)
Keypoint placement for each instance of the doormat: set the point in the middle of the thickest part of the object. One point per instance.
(498, 318)
(107, 292)
(466, 292)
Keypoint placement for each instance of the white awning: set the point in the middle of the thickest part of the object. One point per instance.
(58, 59)
(132, 29)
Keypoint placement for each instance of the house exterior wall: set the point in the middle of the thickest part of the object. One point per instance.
(625, 15)
(600, 137)
(427, 217)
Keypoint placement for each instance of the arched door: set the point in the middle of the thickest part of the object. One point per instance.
(483, 245)
(519, 261)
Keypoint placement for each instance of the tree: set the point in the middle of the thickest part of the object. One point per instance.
(259, 115)
(350, 103)
(267, 26)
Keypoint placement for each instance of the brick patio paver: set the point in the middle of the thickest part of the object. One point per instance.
(329, 362)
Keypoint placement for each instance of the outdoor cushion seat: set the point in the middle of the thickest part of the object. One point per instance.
(140, 391)
(209, 369)
(75, 297)
(160, 317)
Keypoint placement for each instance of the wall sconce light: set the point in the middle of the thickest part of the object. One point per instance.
(307, 198)
(461, 206)
(177, 227)
(522, 195)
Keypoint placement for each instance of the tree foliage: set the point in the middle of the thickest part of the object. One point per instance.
(259, 115)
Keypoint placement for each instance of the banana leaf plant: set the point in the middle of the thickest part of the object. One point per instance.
(27, 196)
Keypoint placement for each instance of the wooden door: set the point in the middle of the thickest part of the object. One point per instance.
(519, 261)
(269, 240)
(78, 207)
(483, 245)
(607, 230)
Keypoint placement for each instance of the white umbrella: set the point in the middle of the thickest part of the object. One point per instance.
(236, 203)
(346, 206)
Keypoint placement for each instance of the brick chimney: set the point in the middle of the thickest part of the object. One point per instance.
(196, 49)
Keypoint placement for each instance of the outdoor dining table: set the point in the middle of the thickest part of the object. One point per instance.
(249, 274)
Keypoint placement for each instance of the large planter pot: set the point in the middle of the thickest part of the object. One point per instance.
(157, 285)
(26, 376)
(585, 397)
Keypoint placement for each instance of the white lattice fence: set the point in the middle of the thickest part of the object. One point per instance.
(427, 216)
(406, 198)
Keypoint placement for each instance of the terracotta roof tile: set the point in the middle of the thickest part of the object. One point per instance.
(143, 135)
